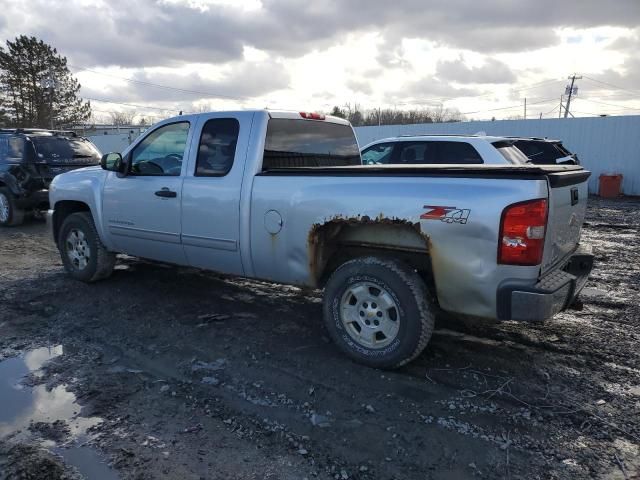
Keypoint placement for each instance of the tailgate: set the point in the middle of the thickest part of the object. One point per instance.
(568, 195)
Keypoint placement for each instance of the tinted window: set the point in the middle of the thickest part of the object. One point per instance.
(308, 143)
(377, 154)
(16, 148)
(56, 147)
(511, 153)
(457, 152)
(217, 147)
(539, 151)
(416, 153)
(161, 152)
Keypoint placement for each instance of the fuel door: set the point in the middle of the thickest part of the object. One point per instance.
(273, 222)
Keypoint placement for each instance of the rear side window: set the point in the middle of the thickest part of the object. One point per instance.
(435, 152)
(217, 147)
(457, 152)
(294, 143)
(417, 153)
(511, 153)
(16, 148)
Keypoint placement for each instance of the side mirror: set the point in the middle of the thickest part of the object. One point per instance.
(112, 162)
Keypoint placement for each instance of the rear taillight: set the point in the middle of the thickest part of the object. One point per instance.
(312, 116)
(522, 231)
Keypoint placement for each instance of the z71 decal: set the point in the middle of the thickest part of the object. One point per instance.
(446, 214)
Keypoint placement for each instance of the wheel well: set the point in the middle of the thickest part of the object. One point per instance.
(62, 210)
(337, 241)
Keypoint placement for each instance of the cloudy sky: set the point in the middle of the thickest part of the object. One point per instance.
(480, 57)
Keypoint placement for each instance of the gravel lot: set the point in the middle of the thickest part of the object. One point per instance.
(176, 373)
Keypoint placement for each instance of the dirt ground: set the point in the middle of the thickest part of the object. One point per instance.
(176, 373)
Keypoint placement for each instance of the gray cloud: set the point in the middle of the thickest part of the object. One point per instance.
(429, 91)
(246, 80)
(492, 71)
(360, 86)
(145, 33)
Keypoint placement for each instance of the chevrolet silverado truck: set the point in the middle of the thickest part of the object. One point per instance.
(282, 196)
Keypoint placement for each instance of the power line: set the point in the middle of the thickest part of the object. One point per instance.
(157, 85)
(509, 108)
(454, 97)
(610, 104)
(635, 92)
(131, 104)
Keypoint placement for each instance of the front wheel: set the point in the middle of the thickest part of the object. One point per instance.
(377, 311)
(10, 214)
(83, 255)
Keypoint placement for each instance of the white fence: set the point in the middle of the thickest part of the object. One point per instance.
(603, 144)
(112, 142)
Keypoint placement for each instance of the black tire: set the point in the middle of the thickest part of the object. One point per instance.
(15, 215)
(100, 262)
(414, 312)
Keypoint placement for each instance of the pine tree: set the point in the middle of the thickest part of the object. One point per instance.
(37, 88)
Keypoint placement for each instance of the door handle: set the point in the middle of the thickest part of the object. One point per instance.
(166, 193)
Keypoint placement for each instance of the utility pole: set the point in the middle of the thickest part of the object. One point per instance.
(525, 108)
(571, 92)
(560, 110)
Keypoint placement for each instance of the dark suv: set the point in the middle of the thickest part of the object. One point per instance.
(29, 159)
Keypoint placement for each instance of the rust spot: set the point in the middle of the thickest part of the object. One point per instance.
(325, 239)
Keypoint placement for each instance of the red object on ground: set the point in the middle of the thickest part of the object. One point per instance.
(610, 186)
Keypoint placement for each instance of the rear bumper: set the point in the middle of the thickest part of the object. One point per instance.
(552, 294)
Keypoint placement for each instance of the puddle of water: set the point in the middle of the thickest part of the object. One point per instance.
(22, 405)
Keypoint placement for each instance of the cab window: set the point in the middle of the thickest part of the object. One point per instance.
(161, 152)
(217, 147)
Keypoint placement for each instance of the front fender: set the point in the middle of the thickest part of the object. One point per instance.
(83, 185)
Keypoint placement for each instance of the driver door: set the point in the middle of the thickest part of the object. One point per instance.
(142, 209)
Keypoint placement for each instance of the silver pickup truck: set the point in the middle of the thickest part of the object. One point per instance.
(280, 196)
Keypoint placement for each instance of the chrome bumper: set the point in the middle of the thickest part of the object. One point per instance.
(552, 294)
(49, 217)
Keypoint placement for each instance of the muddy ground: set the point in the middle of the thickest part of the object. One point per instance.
(175, 373)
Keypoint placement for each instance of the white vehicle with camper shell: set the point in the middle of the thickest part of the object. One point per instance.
(443, 150)
(282, 196)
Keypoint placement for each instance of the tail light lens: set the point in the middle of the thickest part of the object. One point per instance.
(312, 116)
(522, 231)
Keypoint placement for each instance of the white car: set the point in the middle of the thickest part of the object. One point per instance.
(443, 149)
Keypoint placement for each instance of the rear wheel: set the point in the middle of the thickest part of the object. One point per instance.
(10, 214)
(377, 311)
(83, 255)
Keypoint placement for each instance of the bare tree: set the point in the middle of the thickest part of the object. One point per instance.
(393, 116)
(122, 118)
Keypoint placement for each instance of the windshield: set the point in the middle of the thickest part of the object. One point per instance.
(52, 148)
(377, 154)
(541, 152)
(309, 143)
